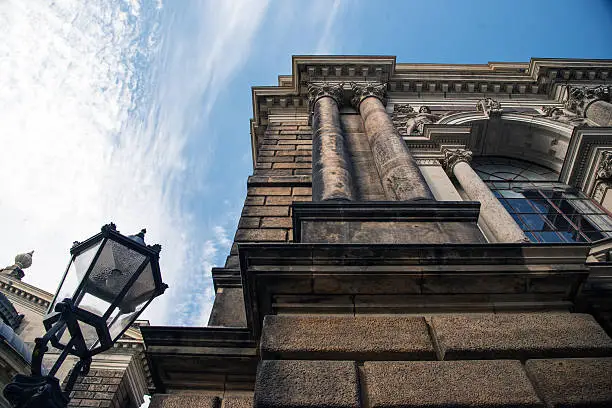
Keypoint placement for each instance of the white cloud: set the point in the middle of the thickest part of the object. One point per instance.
(98, 102)
(327, 39)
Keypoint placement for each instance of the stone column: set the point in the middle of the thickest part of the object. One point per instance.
(331, 169)
(591, 102)
(499, 221)
(399, 173)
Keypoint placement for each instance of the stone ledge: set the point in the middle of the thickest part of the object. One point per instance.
(573, 382)
(346, 338)
(182, 401)
(279, 181)
(519, 336)
(475, 383)
(291, 383)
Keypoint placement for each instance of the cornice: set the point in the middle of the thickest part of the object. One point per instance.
(536, 80)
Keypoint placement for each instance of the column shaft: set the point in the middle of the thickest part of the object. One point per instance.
(331, 170)
(492, 212)
(440, 184)
(399, 173)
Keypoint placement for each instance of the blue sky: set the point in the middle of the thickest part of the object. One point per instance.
(138, 111)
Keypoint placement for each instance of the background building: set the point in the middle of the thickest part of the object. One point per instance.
(118, 377)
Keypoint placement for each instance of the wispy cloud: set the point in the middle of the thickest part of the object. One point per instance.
(99, 101)
(328, 38)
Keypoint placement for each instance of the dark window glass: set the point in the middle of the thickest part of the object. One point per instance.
(548, 211)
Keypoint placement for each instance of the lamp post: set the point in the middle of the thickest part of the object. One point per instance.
(110, 280)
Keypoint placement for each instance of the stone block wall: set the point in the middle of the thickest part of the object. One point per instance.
(466, 360)
(282, 175)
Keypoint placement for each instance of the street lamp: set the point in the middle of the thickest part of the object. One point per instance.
(110, 280)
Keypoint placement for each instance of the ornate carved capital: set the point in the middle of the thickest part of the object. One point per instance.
(579, 98)
(454, 156)
(489, 106)
(362, 91)
(331, 90)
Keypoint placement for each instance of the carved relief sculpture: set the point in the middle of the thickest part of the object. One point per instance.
(408, 122)
(579, 98)
(489, 106)
(563, 116)
(603, 180)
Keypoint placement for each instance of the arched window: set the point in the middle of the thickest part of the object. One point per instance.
(548, 211)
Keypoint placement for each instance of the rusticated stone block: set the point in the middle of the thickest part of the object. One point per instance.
(520, 335)
(249, 222)
(276, 222)
(228, 308)
(243, 235)
(473, 383)
(183, 401)
(346, 338)
(302, 191)
(255, 191)
(265, 211)
(302, 383)
(573, 382)
(285, 200)
(237, 402)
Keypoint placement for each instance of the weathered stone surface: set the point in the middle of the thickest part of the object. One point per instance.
(295, 383)
(573, 382)
(237, 402)
(497, 218)
(276, 222)
(243, 235)
(265, 211)
(520, 335)
(346, 338)
(183, 401)
(399, 174)
(497, 383)
(228, 308)
(255, 191)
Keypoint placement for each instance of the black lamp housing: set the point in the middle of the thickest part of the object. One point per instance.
(110, 280)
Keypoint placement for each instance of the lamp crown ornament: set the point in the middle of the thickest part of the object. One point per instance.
(24, 260)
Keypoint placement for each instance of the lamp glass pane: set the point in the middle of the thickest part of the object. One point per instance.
(77, 269)
(133, 302)
(112, 271)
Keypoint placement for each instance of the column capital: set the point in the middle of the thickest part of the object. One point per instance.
(334, 90)
(579, 98)
(362, 91)
(454, 156)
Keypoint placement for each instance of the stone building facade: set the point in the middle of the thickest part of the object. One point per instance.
(416, 235)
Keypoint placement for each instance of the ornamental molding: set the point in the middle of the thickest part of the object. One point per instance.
(490, 107)
(563, 115)
(366, 90)
(579, 98)
(454, 156)
(587, 155)
(330, 90)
